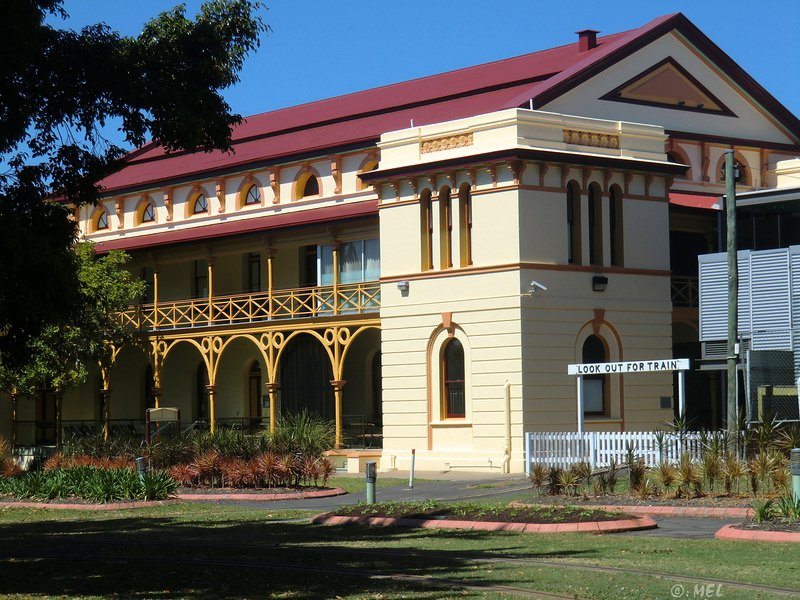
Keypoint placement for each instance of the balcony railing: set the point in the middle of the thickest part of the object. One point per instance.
(685, 292)
(262, 306)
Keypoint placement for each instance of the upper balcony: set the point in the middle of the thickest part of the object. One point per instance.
(302, 303)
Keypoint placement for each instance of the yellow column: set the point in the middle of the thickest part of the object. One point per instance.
(338, 388)
(212, 411)
(335, 278)
(270, 266)
(155, 295)
(211, 260)
(272, 388)
(105, 393)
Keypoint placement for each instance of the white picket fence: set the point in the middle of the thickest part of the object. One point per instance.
(599, 448)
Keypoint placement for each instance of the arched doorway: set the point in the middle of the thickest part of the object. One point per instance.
(305, 378)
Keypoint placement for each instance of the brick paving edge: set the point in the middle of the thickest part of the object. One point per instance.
(643, 522)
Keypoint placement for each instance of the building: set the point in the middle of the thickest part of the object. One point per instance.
(768, 304)
(420, 262)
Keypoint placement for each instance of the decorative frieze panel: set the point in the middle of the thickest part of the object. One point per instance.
(591, 138)
(446, 143)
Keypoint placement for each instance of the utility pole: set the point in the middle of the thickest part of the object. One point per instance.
(733, 288)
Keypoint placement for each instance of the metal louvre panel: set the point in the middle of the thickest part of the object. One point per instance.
(744, 298)
(713, 297)
(770, 308)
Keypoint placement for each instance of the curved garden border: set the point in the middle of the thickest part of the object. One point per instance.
(589, 527)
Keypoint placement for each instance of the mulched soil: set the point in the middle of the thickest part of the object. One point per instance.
(774, 525)
(507, 514)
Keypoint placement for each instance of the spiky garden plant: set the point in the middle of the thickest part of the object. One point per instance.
(637, 471)
(710, 469)
(733, 469)
(687, 475)
(538, 476)
(666, 475)
(570, 479)
(554, 486)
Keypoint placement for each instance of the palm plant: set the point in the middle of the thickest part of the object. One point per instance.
(710, 469)
(788, 438)
(570, 479)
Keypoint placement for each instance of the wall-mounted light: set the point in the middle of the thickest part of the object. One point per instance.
(599, 283)
(403, 287)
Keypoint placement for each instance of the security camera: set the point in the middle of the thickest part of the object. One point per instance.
(536, 285)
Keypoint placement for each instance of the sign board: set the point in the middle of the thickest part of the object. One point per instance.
(163, 414)
(635, 366)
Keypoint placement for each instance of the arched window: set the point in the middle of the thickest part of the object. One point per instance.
(573, 223)
(453, 380)
(200, 204)
(594, 386)
(595, 208)
(251, 196)
(615, 226)
(465, 224)
(307, 186)
(446, 228)
(426, 229)
(102, 221)
(148, 213)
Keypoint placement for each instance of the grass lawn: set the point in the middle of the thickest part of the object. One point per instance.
(216, 552)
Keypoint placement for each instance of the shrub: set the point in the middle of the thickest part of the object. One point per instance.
(305, 433)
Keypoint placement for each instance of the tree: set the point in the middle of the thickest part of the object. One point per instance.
(60, 356)
(58, 89)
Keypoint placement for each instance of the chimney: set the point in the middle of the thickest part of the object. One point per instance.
(587, 39)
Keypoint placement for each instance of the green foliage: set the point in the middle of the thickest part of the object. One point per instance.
(305, 433)
(763, 510)
(89, 483)
(59, 355)
(789, 507)
(58, 89)
(538, 476)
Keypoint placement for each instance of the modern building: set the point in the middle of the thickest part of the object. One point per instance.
(420, 262)
(768, 302)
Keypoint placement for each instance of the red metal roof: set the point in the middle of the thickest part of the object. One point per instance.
(694, 200)
(360, 118)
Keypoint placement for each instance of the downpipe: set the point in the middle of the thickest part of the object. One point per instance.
(506, 465)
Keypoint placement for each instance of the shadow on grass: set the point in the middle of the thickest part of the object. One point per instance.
(165, 558)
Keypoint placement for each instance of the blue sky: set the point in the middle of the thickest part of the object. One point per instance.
(318, 49)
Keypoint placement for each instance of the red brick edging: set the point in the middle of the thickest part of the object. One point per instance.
(76, 506)
(730, 533)
(262, 497)
(177, 498)
(590, 527)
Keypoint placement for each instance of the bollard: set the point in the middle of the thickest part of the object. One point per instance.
(371, 477)
(141, 468)
(411, 472)
(795, 464)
